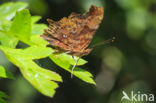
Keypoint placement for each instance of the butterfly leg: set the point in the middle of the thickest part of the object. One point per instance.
(76, 61)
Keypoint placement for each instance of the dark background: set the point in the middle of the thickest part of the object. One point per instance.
(127, 64)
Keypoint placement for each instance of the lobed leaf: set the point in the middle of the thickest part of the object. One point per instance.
(42, 79)
(78, 72)
(10, 39)
(21, 26)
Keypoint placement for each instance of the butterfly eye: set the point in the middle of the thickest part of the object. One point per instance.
(65, 36)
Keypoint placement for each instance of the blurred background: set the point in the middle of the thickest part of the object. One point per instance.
(127, 64)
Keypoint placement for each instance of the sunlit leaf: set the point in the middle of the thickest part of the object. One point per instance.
(69, 59)
(37, 29)
(37, 40)
(7, 40)
(80, 73)
(5, 26)
(21, 26)
(8, 10)
(35, 19)
(34, 52)
(42, 79)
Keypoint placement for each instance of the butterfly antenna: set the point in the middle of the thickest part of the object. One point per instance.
(76, 61)
(104, 42)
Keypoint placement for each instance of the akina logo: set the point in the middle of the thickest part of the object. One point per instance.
(137, 96)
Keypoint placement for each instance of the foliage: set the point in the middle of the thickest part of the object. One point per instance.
(3, 95)
(5, 74)
(25, 29)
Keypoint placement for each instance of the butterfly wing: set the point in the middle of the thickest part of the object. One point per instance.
(85, 27)
(76, 31)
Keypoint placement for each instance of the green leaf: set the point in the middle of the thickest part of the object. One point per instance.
(3, 101)
(35, 19)
(6, 25)
(69, 59)
(8, 41)
(3, 95)
(8, 10)
(80, 73)
(33, 52)
(21, 26)
(42, 79)
(37, 29)
(5, 74)
(37, 40)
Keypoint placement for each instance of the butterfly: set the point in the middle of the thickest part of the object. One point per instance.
(74, 33)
